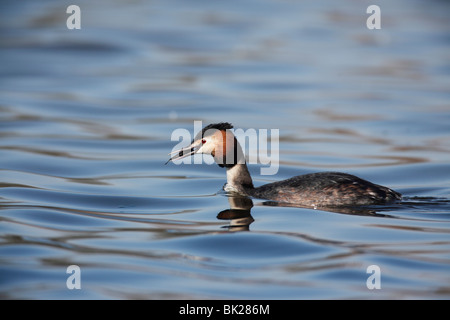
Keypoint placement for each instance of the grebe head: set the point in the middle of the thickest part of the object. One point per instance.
(217, 140)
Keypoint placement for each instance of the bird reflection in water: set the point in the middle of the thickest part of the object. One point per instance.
(240, 218)
(239, 213)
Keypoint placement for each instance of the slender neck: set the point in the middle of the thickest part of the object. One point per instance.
(239, 179)
(229, 155)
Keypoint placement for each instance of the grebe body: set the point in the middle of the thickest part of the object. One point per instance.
(322, 189)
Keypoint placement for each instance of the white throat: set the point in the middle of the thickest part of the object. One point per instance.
(238, 179)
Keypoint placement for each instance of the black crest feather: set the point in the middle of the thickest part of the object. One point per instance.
(218, 126)
(213, 126)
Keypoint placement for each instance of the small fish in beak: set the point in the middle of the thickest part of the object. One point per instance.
(184, 152)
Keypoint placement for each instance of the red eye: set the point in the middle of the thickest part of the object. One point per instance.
(203, 141)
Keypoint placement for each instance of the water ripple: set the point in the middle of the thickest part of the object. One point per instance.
(86, 118)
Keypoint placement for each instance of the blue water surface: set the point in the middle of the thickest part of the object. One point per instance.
(86, 123)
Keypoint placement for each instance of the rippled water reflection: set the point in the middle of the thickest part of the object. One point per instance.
(86, 121)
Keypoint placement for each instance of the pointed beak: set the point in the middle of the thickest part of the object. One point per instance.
(184, 152)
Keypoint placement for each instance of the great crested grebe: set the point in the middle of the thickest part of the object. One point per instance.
(323, 189)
